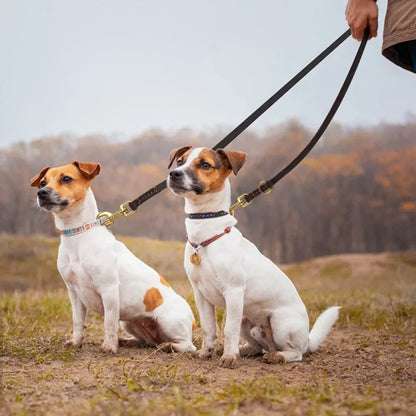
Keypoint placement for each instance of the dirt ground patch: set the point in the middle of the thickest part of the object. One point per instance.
(353, 373)
(366, 366)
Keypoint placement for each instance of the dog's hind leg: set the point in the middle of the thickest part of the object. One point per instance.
(290, 336)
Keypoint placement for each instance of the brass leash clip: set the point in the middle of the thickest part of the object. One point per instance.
(241, 202)
(124, 210)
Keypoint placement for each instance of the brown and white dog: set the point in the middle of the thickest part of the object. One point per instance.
(102, 275)
(262, 304)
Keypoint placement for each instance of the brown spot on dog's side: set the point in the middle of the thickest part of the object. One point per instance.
(163, 281)
(193, 325)
(152, 299)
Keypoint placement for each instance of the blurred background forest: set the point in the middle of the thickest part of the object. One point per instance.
(356, 192)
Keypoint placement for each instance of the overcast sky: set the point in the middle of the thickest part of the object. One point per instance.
(120, 67)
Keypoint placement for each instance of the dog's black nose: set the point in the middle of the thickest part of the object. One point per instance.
(43, 193)
(175, 173)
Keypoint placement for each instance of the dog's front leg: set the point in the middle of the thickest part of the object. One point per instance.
(79, 312)
(111, 303)
(206, 311)
(234, 303)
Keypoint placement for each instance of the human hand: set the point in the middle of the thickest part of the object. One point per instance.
(360, 14)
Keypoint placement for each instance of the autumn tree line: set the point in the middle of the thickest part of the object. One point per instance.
(356, 191)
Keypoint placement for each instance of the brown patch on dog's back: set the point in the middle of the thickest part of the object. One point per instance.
(152, 299)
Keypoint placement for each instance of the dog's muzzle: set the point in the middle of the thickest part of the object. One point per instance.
(181, 181)
(50, 200)
(176, 181)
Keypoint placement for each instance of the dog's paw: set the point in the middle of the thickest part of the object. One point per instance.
(273, 357)
(205, 353)
(228, 361)
(248, 350)
(108, 348)
(73, 343)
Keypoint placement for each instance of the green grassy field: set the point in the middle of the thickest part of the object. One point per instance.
(366, 366)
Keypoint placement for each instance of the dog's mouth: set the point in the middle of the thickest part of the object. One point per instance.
(50, 206)
(52, 203)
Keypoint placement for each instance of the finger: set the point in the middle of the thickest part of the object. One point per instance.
(373, 23)
(358, 33)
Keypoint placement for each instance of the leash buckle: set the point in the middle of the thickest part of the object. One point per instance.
(268, 189)
(241, 202)
(124, 210)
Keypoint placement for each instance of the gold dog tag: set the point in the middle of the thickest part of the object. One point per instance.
(195, 258)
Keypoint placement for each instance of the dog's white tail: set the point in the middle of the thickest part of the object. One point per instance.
(322, 327)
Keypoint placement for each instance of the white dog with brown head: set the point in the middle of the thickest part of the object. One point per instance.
(225, 269)
(102, 275)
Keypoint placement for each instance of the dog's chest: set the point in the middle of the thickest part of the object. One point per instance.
(77, 278)
(205, 278)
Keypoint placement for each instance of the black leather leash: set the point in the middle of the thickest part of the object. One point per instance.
(129, 207)
(265, 186)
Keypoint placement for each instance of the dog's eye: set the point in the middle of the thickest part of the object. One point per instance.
(66, 179)
(205, 165)
(179, 162)
(42, 183)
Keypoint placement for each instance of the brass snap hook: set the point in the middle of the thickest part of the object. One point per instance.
(241, 202)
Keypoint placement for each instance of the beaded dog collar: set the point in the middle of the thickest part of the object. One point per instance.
(206, 215)
(82, 228)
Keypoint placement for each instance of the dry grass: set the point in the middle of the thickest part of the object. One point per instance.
(365, 367)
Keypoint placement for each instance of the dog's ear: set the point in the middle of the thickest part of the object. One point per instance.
(233, 160)
(90, 169)
(177, 153)
(35, 181)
